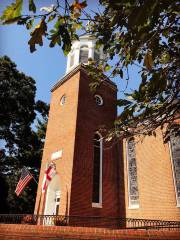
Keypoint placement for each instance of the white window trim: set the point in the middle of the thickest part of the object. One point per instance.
(173, 173)
(86, 48)
(101, 100)
(57, 195)
(134, 206)
(130, 206)
(99, 204)
(57, 155)
(63, 100)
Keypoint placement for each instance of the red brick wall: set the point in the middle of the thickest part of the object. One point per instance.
(90, 118)
(61, 135)
(155, 180)
(24, 232)
(71, 128)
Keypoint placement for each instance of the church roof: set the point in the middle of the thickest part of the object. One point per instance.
(75, 70)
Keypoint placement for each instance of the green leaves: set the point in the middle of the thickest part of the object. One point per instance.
(32, 6)
(139, 33)
(29, 24)
(37, 34)
(77, 26)
(148, 62)
(143, 33)
(12, 13)
(94, 85)
(65, 28)
(121, 73)
(17, 94)
(165, 58)
(55, 38)
(76, 8)
(60, 35)
(23, 143)
(123, 102)
(51, 17)
(107, 67)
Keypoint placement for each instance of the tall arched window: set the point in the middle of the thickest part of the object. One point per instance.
(175, 156)
(97, 171)
(132, 174)
(84, 52)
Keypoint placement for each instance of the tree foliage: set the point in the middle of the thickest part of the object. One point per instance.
(142, 33)
(22, 142)
(65, 17)
(17, 93)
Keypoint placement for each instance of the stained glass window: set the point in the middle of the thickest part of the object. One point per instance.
(132, 174)
(175, 154)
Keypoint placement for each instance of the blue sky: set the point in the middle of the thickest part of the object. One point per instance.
(46, 65)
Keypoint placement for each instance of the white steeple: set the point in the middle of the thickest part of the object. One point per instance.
(82, 50)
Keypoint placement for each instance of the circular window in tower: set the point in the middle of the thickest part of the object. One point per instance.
(98, 100)
(63, 99)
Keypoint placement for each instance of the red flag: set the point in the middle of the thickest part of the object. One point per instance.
(23, 181)
(49, 174)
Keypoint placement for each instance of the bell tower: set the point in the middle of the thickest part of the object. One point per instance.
(82, 50)
(86, 183)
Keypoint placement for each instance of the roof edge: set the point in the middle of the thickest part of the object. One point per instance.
(74, 71)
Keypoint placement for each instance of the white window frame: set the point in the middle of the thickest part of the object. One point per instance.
(130, 205)
(83, 48)
(57, 155)
(63, 99)
(99, 204)
(57, 195)
(173, 173)
(100, 103)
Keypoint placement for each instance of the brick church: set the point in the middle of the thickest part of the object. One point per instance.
(125, 179)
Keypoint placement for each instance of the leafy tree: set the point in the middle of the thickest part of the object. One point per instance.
(142, 33)
(65, 16)
(23, 142)
(4, 194)
(17, 93)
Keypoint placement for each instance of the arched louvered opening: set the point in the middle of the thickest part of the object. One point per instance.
(83, 56)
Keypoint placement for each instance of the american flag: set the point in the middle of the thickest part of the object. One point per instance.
(23, 181)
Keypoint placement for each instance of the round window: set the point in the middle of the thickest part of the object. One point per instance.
(99, 100)
(63, 100)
